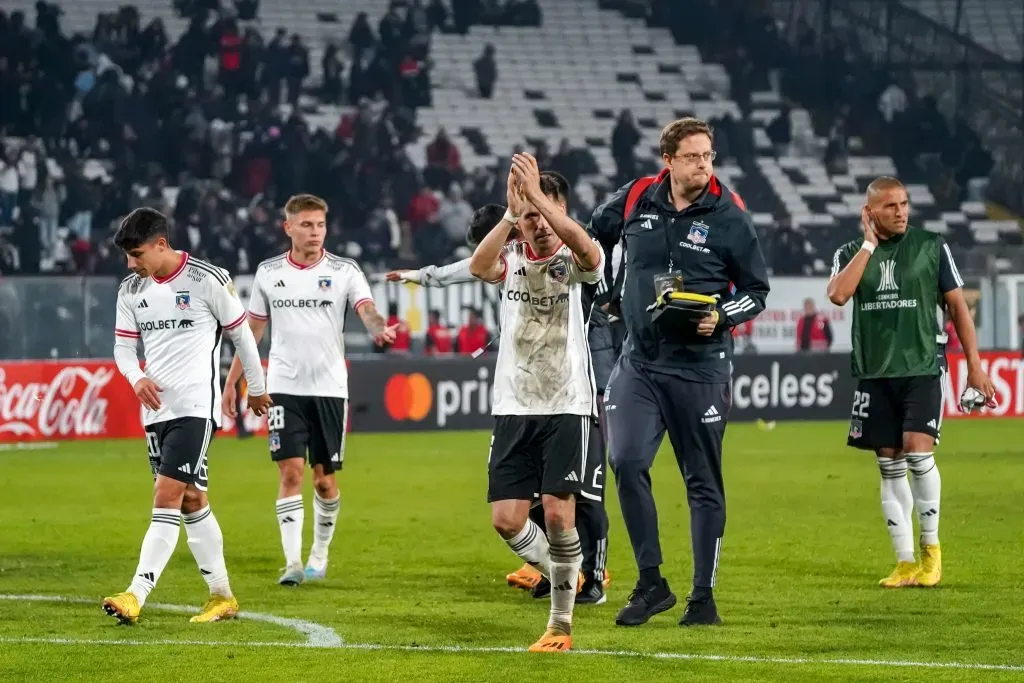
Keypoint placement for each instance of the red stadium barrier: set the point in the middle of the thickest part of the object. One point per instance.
(1006, 368)
(55, 400)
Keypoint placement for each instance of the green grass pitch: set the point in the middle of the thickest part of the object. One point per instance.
(417, 571)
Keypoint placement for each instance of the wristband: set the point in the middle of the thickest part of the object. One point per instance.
(868, 247)
(509, 218)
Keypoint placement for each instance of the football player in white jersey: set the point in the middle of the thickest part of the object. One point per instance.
(544, 393)
(305, 294)
(178, 306)
(591, 516)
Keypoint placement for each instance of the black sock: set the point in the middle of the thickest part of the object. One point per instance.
(650, 577)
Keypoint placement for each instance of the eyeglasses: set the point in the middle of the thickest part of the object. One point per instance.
(694, 157)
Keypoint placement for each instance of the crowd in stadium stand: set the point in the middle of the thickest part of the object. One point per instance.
(235, 143)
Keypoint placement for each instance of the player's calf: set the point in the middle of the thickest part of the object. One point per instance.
(290, 510)
(566, 559)
(206, 541)
(511, 520)
(326, 506)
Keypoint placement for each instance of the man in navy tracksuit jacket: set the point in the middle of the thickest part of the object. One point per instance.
(677, 379)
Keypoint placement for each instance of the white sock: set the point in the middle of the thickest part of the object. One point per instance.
(532, 546)
(157, 548)
(926, 485)
(325, 517)
(290, 514)
(206, 542)
(897, 506)
(566, 558)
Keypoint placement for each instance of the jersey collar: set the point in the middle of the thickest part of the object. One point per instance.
(293, 264)
(531, 256)
(176, 273)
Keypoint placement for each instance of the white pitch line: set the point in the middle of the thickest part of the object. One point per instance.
(318, 636)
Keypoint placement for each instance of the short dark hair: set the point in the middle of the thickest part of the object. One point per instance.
(393, 308)
(141, 226)
(483, 221)
(554, 184)
(679, 130)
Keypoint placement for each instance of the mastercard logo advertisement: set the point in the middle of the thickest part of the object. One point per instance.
(408, 397)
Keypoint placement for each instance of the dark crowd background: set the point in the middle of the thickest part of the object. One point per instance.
(214, 128)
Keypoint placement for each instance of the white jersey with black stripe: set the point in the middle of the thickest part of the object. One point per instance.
(544, 365)
(180, 320)
(306, 307)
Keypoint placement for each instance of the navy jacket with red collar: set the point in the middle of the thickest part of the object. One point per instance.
(714, 245)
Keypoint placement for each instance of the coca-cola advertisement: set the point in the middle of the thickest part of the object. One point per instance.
(1006, 368)
(51, 401)
(56, 400)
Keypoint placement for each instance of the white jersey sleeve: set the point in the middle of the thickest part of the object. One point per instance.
(578, 273)
(224, 303)
(258, 305)
(125, 324)
(442, 276)
(126, 336)
(358, 288)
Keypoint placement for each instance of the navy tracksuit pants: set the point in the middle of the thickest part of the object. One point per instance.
(641, 405)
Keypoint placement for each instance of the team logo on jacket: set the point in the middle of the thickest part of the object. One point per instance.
(182, 300)
(698, 232)
(324, 284)
(558, 271)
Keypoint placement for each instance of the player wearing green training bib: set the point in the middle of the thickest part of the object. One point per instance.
(901, 279)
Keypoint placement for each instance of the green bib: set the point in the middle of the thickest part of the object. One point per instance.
(894, 308)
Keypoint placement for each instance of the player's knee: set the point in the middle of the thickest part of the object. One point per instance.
(916, 442)
(194, 500)
(507, 521)
(890, 453)
(168, 493)
(559, 513)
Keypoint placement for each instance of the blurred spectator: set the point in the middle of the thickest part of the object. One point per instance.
(485, 68)
(444, 163)
(813, 330)
(474, 335)
(780, 131)
(454, 214)
(403, 341)
(332, 68)
(438, 338)
(9, 185)
(298, 68)
(566, 163)
(625, 138)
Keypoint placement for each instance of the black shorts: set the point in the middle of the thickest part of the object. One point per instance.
(885, 409)
(177, 449)
(314, 424)
(538, 453)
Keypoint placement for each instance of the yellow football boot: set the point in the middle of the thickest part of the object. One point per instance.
(216, 608)
(526, 577)
(930, 569)
(124, 607)
(553, 640)
(905, 574)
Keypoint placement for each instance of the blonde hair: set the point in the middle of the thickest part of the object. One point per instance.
(304, 202)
